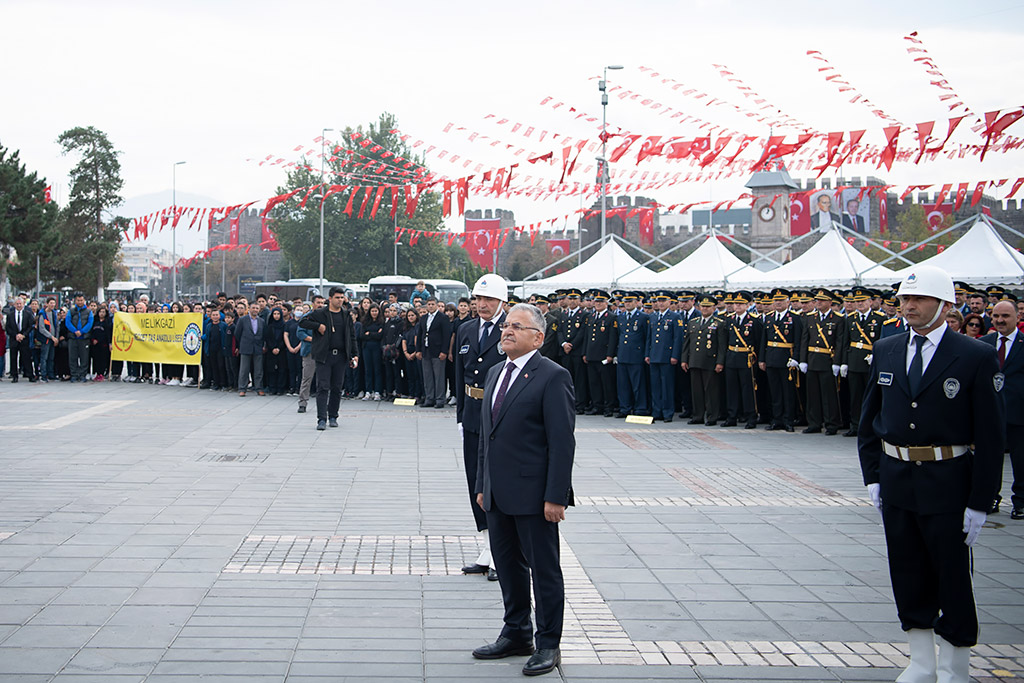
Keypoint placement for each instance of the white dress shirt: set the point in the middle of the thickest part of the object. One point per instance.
(928, 349)
(518, 364)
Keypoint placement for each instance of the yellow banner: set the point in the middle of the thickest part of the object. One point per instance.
(175, 338)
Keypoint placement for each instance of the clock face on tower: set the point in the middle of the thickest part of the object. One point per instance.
(785, 213)
(766, 213)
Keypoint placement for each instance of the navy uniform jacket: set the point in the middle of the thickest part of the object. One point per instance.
(573, 330)
(894, 326)
(552, 323)
(860, 340)
(957, 405)
(781, 339)
(1013, 376)
(602, 337)
(829, 334)
(737, 335)
(472, 361)
(703, 349)
(632, 344)
(664, 337)
(526, 454)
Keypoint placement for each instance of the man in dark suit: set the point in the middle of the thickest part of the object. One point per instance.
(780, 349)
(851, 219)
(20, 322)
(703, 357)
(823, 217)
(250, 331)
(571, 338)
(476, 352)
(524, 482)
(820, 359)
(931, 452)
(1009, 345)
(334, 349)
(434, 337)
(599, 349)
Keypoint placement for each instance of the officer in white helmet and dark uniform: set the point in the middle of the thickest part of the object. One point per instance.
(476, 351)
(931, 451)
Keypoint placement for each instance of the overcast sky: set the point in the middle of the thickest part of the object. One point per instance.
(217, 83)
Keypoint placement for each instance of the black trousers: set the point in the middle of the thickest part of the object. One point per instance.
(822, 399)
(578, 371)
(705, 388)
(215, 370)
(783, 397)
(21, 357)
(330, 377)
(930, 569)
(858, 384)
(601, 383)
(1015, 440)
(739, 395)
(521, 545)
(684, 393)
(762, 395)
(470, 452)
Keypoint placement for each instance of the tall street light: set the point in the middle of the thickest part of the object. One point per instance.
(322, 156)
(174, 244)
(603, 161)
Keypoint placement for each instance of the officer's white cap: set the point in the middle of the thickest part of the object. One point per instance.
(928, 281)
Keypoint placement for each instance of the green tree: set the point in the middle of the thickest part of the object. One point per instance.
(909, 225)
(89, 246)
(357, 249)
(26, 220)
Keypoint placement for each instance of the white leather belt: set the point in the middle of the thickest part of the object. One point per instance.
(923, 453)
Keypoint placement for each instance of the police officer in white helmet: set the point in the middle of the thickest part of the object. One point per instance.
(476, 351)
(931, 452)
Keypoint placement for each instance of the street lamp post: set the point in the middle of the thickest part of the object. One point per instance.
(605, 174)
(322, 156)
(174, 244)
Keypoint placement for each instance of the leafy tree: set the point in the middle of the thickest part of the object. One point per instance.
(357, 249)
(910, 225)
(89, 247)
(26, 220)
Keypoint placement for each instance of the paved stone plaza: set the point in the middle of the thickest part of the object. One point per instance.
(166, 534)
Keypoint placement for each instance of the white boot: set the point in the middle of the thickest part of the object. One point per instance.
(485, 555)
(922, 657)
(954, 663)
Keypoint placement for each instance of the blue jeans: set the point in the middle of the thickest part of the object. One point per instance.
(46, 361)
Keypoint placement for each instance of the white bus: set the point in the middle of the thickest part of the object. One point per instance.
(446, 291)
(127, 291)
(302, 287)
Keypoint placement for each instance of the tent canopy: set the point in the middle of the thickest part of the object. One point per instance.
(832, 262)
(710, 265)
(611, 267)
(980, 257)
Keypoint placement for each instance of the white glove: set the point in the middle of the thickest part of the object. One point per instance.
(870, 357)
(462, 432)
(803, 368)
(973, 521)
(843, 369)
(875, 492)
(835, 370)
(792, 363)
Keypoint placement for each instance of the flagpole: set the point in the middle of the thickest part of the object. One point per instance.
(605, 174)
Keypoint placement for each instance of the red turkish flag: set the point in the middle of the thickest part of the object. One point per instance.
(461, 190)
(924, 131)
(620, 151)
(479, 233)
(747, 139)
(394, 201)
(348, 205)
(883, 215)
(446, 206)
(678, 148)
(376, 201)
(892, 134)
(961, 195)
(799, 213)
(647, 226)
(995, 125)
(699, 146)
(366, 199)
(1016, 186)
(233, 234)
(720, 146)
(651, 147)
(855, 136)
(411, 200)
(268, 240)
(48, 194)
(953, 123)
(936, 214)
(943, 193)
(835, 141)
(979, 191)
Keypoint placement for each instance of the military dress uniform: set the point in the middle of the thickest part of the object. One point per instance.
(741, 337)
(684, 396)
(702, 353)
(664, 342)
(781, 345)
(599, 349)
(863, 330)
(821, 349)
(632, 347)
(552, 322)
(572, 331)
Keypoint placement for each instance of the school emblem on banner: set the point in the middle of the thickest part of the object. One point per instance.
(175, 338)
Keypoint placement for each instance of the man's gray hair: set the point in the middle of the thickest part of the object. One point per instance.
(535, 315)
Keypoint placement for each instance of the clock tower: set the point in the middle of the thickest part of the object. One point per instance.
(769, 220)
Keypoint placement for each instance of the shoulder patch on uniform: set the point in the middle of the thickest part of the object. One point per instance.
(998, 380)
(889, 321)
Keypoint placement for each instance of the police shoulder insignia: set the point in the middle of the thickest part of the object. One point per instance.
(998, 380)
(889, 321)
(885, 378)
(951, 387)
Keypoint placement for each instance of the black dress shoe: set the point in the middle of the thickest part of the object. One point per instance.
(655, 419)
(789, 428)
(831, 432)
(503, 647)
(750, 425)
(321, 425)
(711, 423)
(492, 574)
(1017, 513)
(812, 430)
(850, 432)
(580, 411)
(475, 569)
(772, 428)
(609, 414)
(620, 415)
(542, 662)
(668, 419)
(593, 411)
(695, 421)
(728, 423)
(427, 404)
(332, 422)
(301, 409)
(994, 508)
(685, 414)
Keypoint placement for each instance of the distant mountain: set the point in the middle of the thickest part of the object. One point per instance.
(148, 203)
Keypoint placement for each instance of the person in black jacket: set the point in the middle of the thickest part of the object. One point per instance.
(434, 339)
(275, 362)
(373, 354)
(334, 349)
(101, 334)
(20, 322)
(392, 350)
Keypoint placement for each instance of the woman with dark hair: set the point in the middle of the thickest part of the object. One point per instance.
(412, 373)
(354, 376)
(275, 364)
(99, 348)
(974, 326)
(373, 353)
(191, 371)
(61, 360)
(170, 373)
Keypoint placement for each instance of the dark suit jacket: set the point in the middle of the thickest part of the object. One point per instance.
(322, 342)
(28, 321)
(472, 361)
(525, 456)
(1012, 390)
(856, 224)
(246, 341)
(437, 337)
(815, 221)
(956, 405)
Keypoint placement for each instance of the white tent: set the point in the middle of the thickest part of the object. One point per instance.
(980, 257)
(710, 265)
(832, 262)
(611, 267)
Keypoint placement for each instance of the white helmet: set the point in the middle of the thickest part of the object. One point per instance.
(493, 286)
(928, 281)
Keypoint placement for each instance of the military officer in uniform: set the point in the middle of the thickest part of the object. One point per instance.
(740, 335)
(632, 347)
(664, 342)
(895, 323)
(820, 358)
(570, 340)
(684, 398)
(863, 329)
(931, 451)
(552, 320)
(779, 356)
(477, 349)
(599, 348)
(703, 357)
